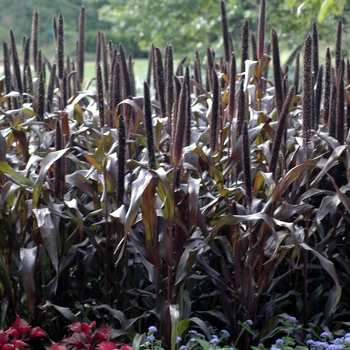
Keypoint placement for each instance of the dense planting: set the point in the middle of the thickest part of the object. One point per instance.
(220, 196)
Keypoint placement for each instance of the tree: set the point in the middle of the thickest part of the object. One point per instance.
(194, 25)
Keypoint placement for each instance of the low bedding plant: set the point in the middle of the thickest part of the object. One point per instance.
(205, 202)
(87, 336)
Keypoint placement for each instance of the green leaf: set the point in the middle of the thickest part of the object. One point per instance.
(47, 232)
(332, 160)
(137, 190)
(329, 267)
(28, 257)
(149, 217)
(45, 166)
(325, 9)
(8, 170)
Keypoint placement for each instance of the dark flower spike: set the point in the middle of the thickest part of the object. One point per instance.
(209, 69)
(121, 160)
(280, 131)
(81, 47)
(100, 101)
(315, 64)
(60, 46)
(247, 167)
(7, 67)
(35, 40)
(338, 50)
(187, 138)
(149, 128)
(15, 62)
(254, 46)
(117, 88)
(169, 85)
(29, 80)
(180, 67)
(245, 44)
(327, 87)
(51, 86)
(26, 54)
(180, 122)
(125, 73)
(214, 112)
(340, 105)
(225, 31)
(318, 96)
(177, 91)
(332, 110)
(160, 80)
(150, 65)
(40, 61)
(307, 92)
(277, 72)
(297, 72)
(261, 31)
(41, 97)
(241, 110)
(232, 89)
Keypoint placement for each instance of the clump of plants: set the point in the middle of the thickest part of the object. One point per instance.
(220, 195)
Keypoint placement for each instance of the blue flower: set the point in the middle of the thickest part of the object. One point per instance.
(250, 322)
(325, 335)
(152, 329)
(178, 339)
(214, 340)
(192, 331)
(292, 319)
(346, 339)
(151, 338)
(320, 345)
(310, 342)
(335, 347)
(308, 336)
(338, 341)
(225, 333)
(279, 341)
(183, 347)
(275, 348)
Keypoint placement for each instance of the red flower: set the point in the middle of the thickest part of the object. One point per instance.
(82, 327)
(3, 338)
(21, 325)
(106, 345)
(14, 332)
(56, 346)
(36, 332)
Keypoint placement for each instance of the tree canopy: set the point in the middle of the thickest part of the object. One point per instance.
(194, 25)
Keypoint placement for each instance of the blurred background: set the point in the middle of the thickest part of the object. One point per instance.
(189, 25)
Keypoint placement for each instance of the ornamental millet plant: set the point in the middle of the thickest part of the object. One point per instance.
(157, 210)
